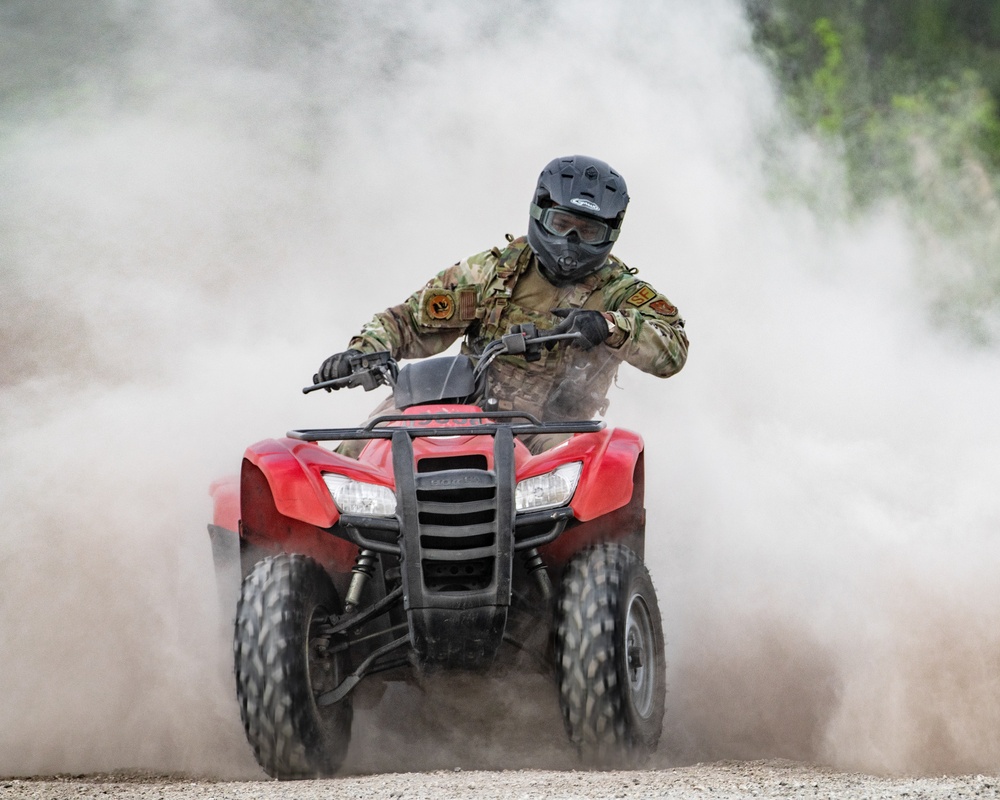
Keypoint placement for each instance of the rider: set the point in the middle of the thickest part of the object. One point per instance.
(562, 276)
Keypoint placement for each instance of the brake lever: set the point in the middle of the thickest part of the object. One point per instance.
(335, 383)
(545, 339)
(369, 371)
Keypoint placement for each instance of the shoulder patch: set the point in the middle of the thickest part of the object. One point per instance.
(440, 305)
(664, 307)
(644, 295)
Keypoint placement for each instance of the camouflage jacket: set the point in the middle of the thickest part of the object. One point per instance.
(481, 297)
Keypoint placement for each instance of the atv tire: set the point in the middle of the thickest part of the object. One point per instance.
(610, 662)
(279, 672)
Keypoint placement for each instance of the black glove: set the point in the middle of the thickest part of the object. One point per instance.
(592, 324)
(336, 366)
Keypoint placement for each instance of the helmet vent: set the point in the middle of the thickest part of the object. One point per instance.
(592, 173)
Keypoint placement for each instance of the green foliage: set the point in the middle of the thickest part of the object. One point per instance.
(843, 62)
(906, 92)
(828, 79)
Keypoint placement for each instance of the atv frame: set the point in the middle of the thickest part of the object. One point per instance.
(452, 576)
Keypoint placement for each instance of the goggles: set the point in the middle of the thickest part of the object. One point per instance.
(561, 222)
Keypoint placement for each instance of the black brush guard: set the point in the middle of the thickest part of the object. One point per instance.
(455, 533)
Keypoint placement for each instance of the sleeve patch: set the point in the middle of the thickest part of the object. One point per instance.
(440, 305)
(644, 295)
(664, 307)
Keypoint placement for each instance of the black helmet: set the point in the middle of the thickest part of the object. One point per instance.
(576, 215)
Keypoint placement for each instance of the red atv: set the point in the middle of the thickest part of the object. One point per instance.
(445, 545)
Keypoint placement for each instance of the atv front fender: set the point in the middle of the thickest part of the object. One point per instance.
(294, 472)
(606, 482)
(297, 489)
(285, 505)
(608, 502)
(626, 524)
(609, 457)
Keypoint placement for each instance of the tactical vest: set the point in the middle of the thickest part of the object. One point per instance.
(566, 382)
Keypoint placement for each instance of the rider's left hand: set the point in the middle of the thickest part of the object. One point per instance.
(336, 366)
(593, 325)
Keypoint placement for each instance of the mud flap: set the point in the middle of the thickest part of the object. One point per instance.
(226, 559)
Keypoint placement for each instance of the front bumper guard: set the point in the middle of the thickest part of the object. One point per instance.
(464, 627)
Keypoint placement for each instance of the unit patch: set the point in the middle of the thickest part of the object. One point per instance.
(661, 306)
(644, 295)
(440, 306)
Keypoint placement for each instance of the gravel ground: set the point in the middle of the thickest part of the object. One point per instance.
(405, 750)
(777, 779)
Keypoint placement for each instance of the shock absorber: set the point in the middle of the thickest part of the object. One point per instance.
(364, 568)
(536, 568)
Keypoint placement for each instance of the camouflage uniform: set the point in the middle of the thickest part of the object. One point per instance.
(482, 297)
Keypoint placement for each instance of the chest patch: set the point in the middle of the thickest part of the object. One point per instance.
(440, 306)
(644, 295)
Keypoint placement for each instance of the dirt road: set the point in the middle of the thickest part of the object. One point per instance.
(772, 779)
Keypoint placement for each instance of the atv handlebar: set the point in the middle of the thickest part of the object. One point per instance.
(370, 370)
(517, 342)
(523, 340)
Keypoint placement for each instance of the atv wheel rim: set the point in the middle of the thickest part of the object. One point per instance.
(640, 659)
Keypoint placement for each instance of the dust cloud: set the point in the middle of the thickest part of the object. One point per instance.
(202, 199)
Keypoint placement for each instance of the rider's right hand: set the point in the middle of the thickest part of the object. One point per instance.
(336, 366)
(593, 327)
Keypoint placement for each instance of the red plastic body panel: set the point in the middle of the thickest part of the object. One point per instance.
(265, 528)
(294, 471)
(609, 457)
(378, 452)
(285, 504)
(225, 494)
(281, 501)
(626, 524)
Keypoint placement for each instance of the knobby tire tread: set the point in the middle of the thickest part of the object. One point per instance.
(290, 737)
(590, 666)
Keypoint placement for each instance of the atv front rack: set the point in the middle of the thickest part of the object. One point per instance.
(489, 427)
(381, 534)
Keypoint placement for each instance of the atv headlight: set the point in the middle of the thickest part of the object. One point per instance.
(355, 497)
(549, 490)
